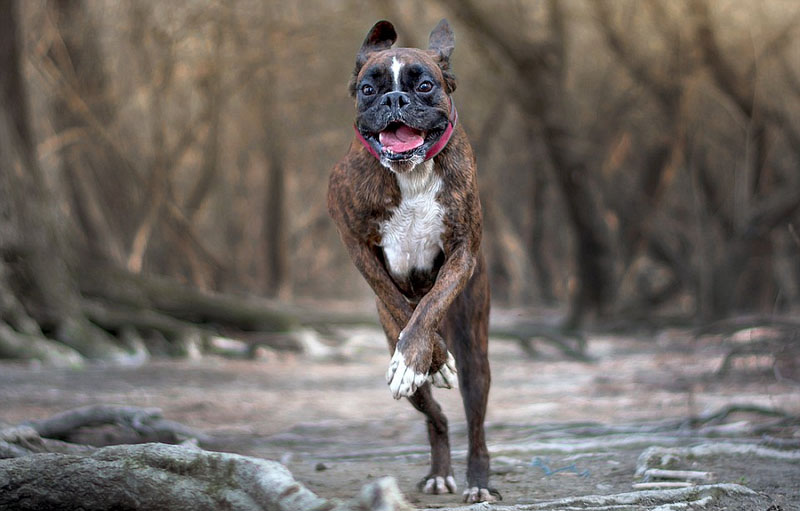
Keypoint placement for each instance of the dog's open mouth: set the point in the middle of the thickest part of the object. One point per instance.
(398, 141)
(398, 138)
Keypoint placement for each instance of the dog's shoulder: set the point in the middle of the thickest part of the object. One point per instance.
(460, 197)
(360, 193)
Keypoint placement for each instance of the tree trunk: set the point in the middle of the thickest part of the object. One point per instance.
(595, 246)
(537, 244)
(275, 236)
(744, 277)
(274, 228)
(541, 68)
(34, 255)
(99, 192)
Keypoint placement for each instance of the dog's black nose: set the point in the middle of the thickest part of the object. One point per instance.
(395, 100)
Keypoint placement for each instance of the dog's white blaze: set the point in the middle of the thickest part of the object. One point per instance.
(412, 237)
(396, 66)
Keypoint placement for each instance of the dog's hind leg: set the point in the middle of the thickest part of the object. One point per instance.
(440, 478)
(467, 327)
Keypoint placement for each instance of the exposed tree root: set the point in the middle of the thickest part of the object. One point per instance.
(23, 440)
(571, 343)
(782, 350)
(674, 457)
(32, 346)
(96, 426)
(661, 485)
(687, 475)
(735, 324)
(757, 335)
(150, 293)
(159, 476)
(718, 416)
(40, 472)
(147, 422)
(716, 496)
(135, 306)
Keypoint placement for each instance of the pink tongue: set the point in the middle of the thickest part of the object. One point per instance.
(402, 140)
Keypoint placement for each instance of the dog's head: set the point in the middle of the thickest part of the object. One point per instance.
(402, 95)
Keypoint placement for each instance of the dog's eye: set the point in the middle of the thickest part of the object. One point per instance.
(425, 86)
(367, 89)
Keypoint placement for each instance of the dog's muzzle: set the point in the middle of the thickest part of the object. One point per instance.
(405, 139)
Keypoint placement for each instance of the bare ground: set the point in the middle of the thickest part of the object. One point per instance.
(556, 428)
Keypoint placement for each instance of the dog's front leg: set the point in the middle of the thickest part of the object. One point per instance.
(414, 355)
(367, 263)
(432, 361)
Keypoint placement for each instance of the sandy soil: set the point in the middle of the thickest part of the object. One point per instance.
(335, 425)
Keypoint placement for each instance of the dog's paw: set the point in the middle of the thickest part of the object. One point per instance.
(437, 485)
(476, 494)
(403, 380)
(447, 375)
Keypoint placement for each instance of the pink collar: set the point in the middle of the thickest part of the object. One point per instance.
(435, 148)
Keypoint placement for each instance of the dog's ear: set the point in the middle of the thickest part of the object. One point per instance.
(381, 36)
(442, 41)
(441, 44)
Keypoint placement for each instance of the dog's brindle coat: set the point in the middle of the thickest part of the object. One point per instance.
(413, 229)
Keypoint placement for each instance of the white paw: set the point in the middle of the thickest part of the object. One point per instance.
(475, 494)
(403, 381)
(439, 485)
(447, 375)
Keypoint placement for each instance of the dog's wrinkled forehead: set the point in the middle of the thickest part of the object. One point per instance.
(378, 57)
(396, 66)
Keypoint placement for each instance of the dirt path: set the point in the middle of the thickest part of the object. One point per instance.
(556, 428)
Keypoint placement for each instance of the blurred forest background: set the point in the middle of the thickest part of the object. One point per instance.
(164, 164)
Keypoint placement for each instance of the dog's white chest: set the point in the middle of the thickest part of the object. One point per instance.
(412, 237)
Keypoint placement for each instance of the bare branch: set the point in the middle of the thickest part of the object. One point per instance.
(740, 90)
(663, 88)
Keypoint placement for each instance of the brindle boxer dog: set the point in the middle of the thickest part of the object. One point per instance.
(405, 201)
